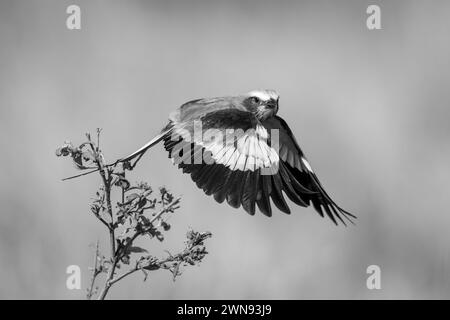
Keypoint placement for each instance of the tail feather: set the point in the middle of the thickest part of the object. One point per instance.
(145, 147)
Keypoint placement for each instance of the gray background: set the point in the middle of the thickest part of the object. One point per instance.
(369, 108)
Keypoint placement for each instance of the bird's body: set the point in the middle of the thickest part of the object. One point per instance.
(237, 149)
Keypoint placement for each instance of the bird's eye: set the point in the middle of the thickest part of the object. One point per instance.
(256, 100)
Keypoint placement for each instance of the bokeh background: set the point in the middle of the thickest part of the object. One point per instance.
(370, 109)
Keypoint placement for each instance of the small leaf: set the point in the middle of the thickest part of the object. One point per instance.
(136, 249)
(142, 202)
(160, 237)
(131, 197)
(126, 259)
(88, 156)
(127, 166)
(122, 182)
(165, 226)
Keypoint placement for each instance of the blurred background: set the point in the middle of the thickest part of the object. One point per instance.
(370, 109)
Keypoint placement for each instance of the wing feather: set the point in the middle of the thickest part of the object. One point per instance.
(236, 171)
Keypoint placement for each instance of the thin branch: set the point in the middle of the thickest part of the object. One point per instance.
(108, 282)
(98, 139)
(107, 184)
(138, 267)
(157, 216)
(106, 178)
(104, 222)
(94, 273)
(131, 271)
(123, 188)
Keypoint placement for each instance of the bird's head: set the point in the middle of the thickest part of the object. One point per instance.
(262, 103)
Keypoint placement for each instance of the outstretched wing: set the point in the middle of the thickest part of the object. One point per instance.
(230, 155)
(298, 166)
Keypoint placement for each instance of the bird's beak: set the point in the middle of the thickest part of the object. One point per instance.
(272, 104)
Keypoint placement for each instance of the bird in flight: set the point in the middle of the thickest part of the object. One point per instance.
(239, 150)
